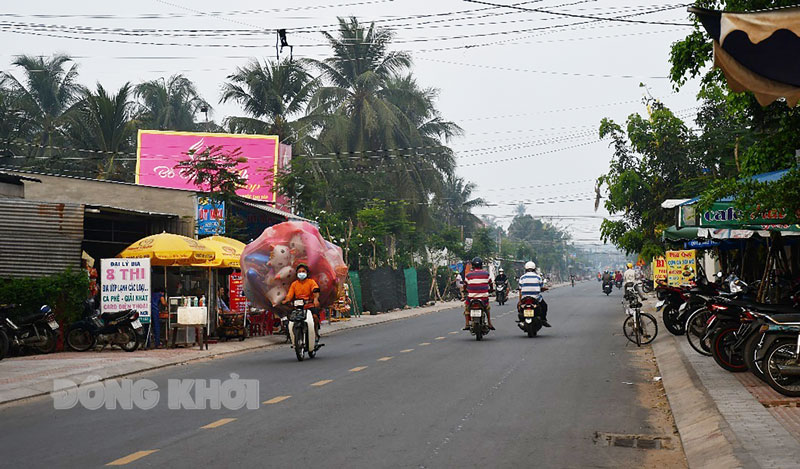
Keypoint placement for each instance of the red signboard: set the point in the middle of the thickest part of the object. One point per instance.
(239, 303)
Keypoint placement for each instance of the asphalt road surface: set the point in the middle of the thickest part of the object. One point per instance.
(417, 392)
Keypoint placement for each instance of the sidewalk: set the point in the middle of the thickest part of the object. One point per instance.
(725, 419)
(31, 376)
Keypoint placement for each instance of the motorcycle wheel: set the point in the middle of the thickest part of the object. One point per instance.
(478, 331)
(782, 352)
(531, 332)
(722, 350)
(80, 339)
(3, 344)
(670, 317)
(299, 345)
(696, 330)
(754, 356)
(133, 339)
(50, 342)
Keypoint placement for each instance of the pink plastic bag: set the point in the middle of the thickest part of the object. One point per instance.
(269, 264)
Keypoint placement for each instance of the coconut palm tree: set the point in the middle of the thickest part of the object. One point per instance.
(455, 203)
(272, 94)
(102, 126)
(44, 96)
(13, 125)
(169, 104)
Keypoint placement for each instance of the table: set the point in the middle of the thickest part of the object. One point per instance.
(192, 316)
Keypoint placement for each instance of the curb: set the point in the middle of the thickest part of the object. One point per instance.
(280, 341)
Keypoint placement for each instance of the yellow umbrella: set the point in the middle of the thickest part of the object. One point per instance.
(169, 249)
(226, 250)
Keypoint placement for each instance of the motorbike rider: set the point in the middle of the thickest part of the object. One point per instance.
(607, 278)
(572, 279)
(618, 276)
(501, 278)
(531, 284)
(629, 278)
(307, 289)
(477, 286)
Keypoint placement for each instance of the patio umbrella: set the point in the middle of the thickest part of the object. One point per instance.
(169, 249)
(757, 51)
(227, 252)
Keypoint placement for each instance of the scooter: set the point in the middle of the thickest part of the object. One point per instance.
(479, 322)
(121, 328)
(302, 334)
(37, 330)
(502, 294)
(529, 316)
(608, 288)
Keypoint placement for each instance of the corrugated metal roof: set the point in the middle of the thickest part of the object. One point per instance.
(39, 238)
(273, 211)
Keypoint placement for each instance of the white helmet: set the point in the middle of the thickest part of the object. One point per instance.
(500, 271)
(530, 265)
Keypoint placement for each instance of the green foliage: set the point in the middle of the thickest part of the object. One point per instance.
(64, 292)
(214, 170)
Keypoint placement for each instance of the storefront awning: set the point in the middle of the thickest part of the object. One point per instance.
(757, 51)
(673, 233)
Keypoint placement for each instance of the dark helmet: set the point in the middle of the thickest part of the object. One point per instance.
(45, 309)
(477, 263)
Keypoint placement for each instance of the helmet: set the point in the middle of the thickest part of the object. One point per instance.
(530, 265)
(477, 263)
(500, 271)
(630, 265)
(45, 309)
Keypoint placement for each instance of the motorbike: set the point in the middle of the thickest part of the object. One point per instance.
(302, 334)
(479, 322)
(647, 285)
(608, 288)
(572, 281)
(502, 293)
(121, 328)
(529, 316)
(781, 365)
(618, 284)
(38, 330)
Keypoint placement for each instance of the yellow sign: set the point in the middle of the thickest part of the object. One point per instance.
(681, 267)
(659, 269)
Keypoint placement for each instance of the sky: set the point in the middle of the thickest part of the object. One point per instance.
(528, 88)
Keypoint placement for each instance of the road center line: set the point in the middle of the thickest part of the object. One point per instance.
(218, 423)
(131, 457)
(455, 332)
(385, 359)
(358, 368)
(424, 344)
(276, 399)
(407, 350)
(440, 338)
(322, 382)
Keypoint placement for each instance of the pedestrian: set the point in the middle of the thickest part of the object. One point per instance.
(157, 304)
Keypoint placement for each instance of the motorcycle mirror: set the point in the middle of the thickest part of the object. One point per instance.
(719, 275)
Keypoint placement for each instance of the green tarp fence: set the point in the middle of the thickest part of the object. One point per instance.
(356, 282)
(412, 296)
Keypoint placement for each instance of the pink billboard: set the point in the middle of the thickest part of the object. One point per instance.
(158, 152)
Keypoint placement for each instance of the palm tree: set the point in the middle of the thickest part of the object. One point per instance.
(44, 96)
(271, 94)
(13, 124)
(456, 203)
(102, 122)
(169, 104)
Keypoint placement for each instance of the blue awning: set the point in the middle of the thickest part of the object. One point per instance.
(771, 176)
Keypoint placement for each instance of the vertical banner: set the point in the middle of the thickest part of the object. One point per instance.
(238, 300)
(659, 269)
(210, 217)
(681, 267)
(125, 284)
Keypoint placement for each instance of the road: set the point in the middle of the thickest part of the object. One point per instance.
(411, 393)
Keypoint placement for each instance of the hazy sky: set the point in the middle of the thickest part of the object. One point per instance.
(529, 99)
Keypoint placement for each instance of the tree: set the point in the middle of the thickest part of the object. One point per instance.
(271, 94)
(652, 163)
(455, 203)
(13, 125)
(101, 122)
(759, 139)
(169, 104)
(44, 96)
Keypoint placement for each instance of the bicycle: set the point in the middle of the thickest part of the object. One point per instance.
(639, 328)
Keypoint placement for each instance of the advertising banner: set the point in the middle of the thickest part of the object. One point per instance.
(125, 284)
(725, 215)
(681, 267)
(210, 217)
(238, 302)
(158, 152)
(659, 269)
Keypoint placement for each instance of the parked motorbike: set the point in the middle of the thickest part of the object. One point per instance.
(647, 285)
(302, 334)
(781, 364)
(502, 293)
(768, 325)
(38, 330)
(479, 322)
(529, 316)
(608, 288)
(122, 328)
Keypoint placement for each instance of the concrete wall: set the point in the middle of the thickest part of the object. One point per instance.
(115, 194)
(11, 191)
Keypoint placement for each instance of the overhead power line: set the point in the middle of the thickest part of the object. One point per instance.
(577, 15)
